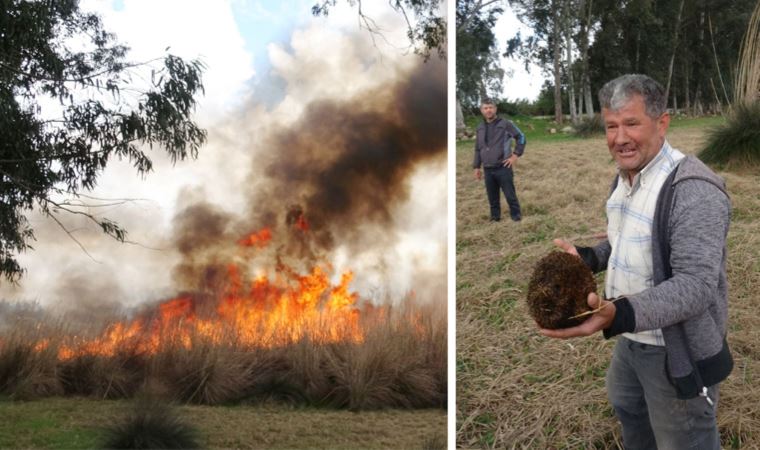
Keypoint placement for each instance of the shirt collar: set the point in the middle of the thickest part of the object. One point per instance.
(646, 174)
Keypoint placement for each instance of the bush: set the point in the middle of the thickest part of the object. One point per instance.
(589, 126)
(151, 424)
(736, 142)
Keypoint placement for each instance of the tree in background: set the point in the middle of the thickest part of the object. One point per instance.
(690, 46)
(544, 48)
(425, 21)
(479, 73)
(68, 105)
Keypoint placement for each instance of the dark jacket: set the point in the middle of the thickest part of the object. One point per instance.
(493, 143)
(689, 300)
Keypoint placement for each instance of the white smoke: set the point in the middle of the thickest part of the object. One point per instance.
(323, 59)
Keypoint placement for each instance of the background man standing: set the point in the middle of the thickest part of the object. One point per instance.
(665, 257)
(493, 150)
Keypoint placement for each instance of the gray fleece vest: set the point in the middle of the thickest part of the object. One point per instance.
(697, 350)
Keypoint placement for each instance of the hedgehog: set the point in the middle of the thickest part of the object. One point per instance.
(559, 289)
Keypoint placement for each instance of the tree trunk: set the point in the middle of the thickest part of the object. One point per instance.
(686, 84)
(569, 52)
(675, 46)
(675, 101)
(718, 106)
(557, 56)
(585, 81)
(638, 46)
(460, 118)
(482, 91)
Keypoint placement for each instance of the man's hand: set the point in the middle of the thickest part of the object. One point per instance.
(478, 173)
(566, 246)
(598, 321)
(510, 162)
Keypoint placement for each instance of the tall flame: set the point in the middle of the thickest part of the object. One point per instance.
(253, 310)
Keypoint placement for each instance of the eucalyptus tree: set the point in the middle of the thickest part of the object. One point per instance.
(68, 105)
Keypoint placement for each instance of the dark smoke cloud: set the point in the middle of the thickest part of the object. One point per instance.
(342, 167)
(347, 163)
(202, 237)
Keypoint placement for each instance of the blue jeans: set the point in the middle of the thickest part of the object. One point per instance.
(645, 402)
(501, 178)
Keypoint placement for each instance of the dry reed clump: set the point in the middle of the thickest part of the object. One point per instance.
(400, 362)
(108, 377)
(28, 363)
(558, 290)
(737, 142)
(747, 81)
(205, 372)
(390, 368)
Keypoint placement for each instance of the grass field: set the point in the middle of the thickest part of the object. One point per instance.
(518, 389)
(74, 423)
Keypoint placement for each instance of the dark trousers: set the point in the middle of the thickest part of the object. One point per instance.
(501, 178)
(646, 404)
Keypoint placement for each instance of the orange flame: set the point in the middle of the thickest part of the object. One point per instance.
(253, 311)
(258, 239)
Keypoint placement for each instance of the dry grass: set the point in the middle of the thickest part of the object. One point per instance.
(400, 363)
(517, 389)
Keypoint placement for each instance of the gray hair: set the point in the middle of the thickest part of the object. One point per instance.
(616, 93)
(487, 101)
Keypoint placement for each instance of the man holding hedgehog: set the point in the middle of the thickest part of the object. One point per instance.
(665, 258)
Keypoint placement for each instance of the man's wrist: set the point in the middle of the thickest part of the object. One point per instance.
(624, 320)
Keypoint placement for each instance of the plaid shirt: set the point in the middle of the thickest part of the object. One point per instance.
(630, 214)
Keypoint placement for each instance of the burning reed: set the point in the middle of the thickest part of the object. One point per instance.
(299, 340)
(399, 362)
(260, 311)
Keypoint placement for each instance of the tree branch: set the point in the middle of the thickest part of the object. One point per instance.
(70, 234)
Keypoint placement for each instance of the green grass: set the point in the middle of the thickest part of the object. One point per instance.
(687, 122)
(536, 129)
(77, 423)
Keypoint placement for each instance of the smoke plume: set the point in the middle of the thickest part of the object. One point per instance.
(333, 177)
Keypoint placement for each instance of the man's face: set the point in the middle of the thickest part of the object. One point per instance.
(488, 110)
(634, 138)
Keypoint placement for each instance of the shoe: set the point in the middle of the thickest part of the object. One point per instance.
(495, 219)
(517, 218)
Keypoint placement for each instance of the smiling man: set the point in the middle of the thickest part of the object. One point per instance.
(665, 257)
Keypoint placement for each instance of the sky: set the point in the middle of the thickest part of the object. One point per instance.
(267, 60)
(518, 83)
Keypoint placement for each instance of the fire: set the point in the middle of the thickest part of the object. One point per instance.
(302, 224)
(265, 310)
(258, 239)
